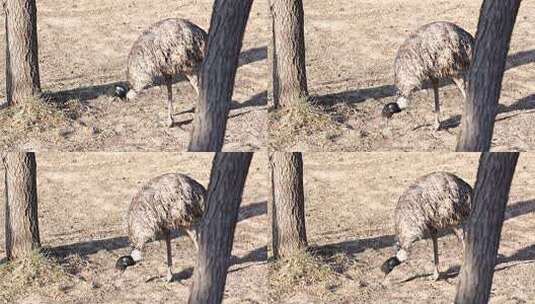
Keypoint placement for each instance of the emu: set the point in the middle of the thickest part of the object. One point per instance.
(168, 49)
(167, 202)
(434, 202)
(439, 50)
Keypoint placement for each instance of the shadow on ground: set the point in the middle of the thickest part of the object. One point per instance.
(524, 104)
(87, 93)
(389, 90)
(257, 255)
(353, 247)
(91, 247)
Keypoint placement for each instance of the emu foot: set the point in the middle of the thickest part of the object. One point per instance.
(170, 122)
(169, 277)
(437, 125)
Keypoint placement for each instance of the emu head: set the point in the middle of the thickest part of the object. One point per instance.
(394, 261)
(121, 91)
(395, 107)
(389, 265)
(123, 262)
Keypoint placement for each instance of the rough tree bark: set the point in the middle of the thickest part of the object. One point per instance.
(494, 31)
(227, 180)
(271, 63)
(21, 221)
(216, 79)
(287, 207)
(289, 78)
(492, 187)
(22, 65)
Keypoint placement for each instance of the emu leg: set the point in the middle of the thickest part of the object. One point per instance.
(437, 103)
(436, 274)
(194, 81)
(192, 233)
(169, 85)
(460, 84)
(169, 277)
(460, 237)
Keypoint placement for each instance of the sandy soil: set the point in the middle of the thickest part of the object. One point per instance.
(83, 200)
(83, 50)
(350, 200)
(351, 46)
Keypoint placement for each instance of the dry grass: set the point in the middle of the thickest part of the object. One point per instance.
(33, 274)
(302, 119)
(308, 271)
(37, 114)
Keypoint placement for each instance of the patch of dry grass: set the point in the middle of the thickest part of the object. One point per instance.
(305, 271)
(303, 118)
(35, 115)
(32, 274)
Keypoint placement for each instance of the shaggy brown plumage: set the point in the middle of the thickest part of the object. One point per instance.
(167, 49)
(436, 51)
(167, 202)
(434, 202)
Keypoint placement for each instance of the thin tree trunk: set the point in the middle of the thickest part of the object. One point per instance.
(494, 31)
(227, 180)
(271, 86)
(22, 65)
(217, 74)
(289, 77)
(287, 208)
(482, 241)
(21, 220)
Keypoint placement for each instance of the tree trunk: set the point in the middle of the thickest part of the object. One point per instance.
(271, 63)
(217, 74)
(22, 225)
(287, 208)
(289, 78)
(22, 65)
(484, 79)
(482, 241)
(227, 180)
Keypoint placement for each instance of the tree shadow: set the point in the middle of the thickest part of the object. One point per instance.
(357, 96)
(520, 58)
(252, 55)
(252, 210)
(87, 248)
(525, 255)
(82, 94)
(390, 90)
(519, 209)
(523, 104)
(257, 100)
(257, 255)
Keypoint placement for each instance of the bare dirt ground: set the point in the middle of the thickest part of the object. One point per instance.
(83, 200)
(83, 50)
(351, 46)
(350, 200)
